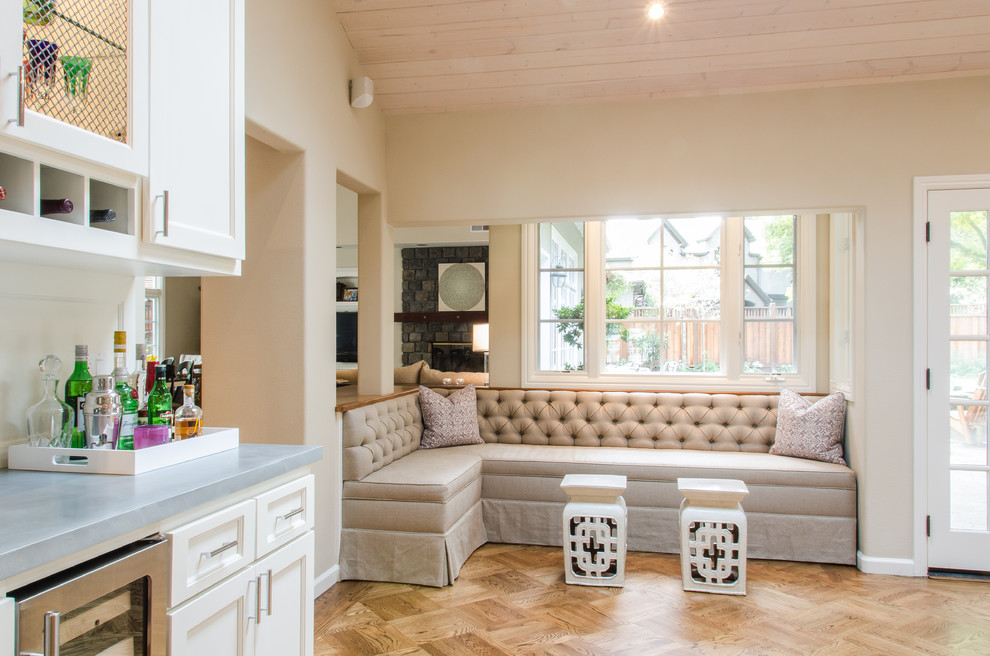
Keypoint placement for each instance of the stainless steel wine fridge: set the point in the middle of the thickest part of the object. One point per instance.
(112, 605)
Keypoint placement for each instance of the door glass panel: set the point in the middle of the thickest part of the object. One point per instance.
(968, 241)
(967, 305)
(967, 435)
(968, 369)
(76, 65)
(968, 500)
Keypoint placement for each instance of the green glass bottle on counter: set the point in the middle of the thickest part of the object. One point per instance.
(77, 385)
(128, 397)
(160, 400)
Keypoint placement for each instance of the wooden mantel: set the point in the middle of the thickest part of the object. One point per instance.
(480, 316)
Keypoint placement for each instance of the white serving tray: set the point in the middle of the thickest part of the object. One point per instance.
(100, 461)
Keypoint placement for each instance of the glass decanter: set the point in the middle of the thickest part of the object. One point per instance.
(50, 421)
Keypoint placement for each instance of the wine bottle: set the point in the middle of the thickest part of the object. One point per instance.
(102, 216)
(128, 397)
(160, 400)
(189, 416)
(55, 206)
(77, 385)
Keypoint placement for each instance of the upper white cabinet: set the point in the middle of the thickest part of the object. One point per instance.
(130, 105)
(195, 191)
(73, 78)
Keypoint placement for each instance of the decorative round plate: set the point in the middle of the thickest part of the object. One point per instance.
(461, 287)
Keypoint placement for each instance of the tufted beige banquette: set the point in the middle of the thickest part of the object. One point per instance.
(415, 515)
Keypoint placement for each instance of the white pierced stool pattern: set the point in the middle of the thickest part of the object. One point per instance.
(713, 535)
(594, 530)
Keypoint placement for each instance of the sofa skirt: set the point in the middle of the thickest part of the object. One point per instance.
(803, 538)
(432, 559)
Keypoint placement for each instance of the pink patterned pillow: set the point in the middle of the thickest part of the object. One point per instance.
(449, 421)
(812, 431)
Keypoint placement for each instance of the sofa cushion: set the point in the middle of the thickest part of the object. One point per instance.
(435, 377)
(810, 430)
(778, 484)
(407, 375)
(426, 491)
(449, 420)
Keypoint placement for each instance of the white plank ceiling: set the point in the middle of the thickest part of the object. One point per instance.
(453, 55)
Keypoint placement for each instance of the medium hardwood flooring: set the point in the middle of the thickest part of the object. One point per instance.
(512, 599)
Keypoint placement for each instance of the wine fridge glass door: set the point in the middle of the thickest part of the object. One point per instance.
(114, 604)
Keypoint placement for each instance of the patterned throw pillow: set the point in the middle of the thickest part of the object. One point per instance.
(449, 421)
(812, 431)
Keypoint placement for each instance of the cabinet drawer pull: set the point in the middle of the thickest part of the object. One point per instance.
(292, 513)
(219, 550)
(20, 97)
(164, 196)
(269, 608)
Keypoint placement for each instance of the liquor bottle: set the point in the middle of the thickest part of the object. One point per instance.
(189, 416)
(160, 400)
(128, 395)
(138, 378)
(56, 206)
(102, 216)
(77, 385)
(50, 421)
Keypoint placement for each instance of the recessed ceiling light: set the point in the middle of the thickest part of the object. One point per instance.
(655, 10)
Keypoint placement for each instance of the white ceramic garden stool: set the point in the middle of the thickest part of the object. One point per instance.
(594, 530)
(713, 535)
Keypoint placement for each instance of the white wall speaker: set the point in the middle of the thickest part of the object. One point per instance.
(362, 92)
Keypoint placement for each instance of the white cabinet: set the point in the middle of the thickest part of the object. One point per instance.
(195, 190)
(242, 577)
(103, 106)
(170, 163)
(264, 610)
(218, 622)
(285, 619)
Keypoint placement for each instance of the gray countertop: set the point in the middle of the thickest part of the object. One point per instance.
(46, 516)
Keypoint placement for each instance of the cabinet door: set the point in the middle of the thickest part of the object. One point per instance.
(195, 193)
(285, 613)
(74, 78)
(219, 622)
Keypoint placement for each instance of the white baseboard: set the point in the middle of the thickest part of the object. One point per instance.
(326, 580)
(891, 566)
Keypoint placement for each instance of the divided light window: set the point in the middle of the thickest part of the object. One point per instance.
(722, 299)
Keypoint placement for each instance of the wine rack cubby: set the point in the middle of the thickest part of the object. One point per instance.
(28, 181)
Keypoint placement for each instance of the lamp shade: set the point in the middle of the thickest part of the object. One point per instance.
(479, 340)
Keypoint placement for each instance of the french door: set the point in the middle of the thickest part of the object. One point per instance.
(958, 337)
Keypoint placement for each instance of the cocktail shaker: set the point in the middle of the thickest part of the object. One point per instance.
(102, 413)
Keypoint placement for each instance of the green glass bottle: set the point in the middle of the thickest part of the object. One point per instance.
(128, 397)
(160, 400)
(76, 386)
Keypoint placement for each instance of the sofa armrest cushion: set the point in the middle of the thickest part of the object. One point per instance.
(812, 431)
(451, 420)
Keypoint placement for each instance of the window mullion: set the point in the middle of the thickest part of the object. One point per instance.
(732, 296)
(594, 298)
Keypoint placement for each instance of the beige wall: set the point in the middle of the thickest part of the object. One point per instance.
(816, 149)
(281, 311)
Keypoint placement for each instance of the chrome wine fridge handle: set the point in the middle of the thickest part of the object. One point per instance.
(52, 620)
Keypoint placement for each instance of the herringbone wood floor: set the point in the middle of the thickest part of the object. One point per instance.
(513, 600)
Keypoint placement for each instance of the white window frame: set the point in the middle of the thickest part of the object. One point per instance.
(731, 378)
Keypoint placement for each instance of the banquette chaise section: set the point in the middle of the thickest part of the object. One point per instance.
(414, 515)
